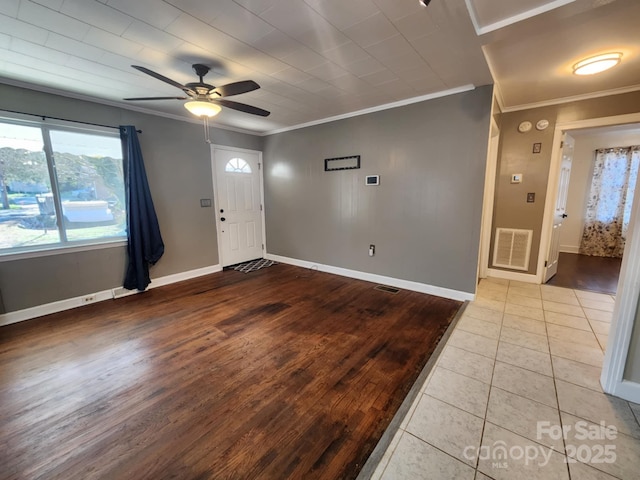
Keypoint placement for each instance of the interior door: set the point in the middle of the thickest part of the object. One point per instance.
(560, 213)
(238, 208)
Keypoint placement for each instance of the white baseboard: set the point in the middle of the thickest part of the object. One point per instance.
(520, 277)
(69, 303)
(569, 249)
(627, 390)
(53, 307)
(375, 278)
(188, 275)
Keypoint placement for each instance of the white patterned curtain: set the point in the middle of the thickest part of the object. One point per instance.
(609, 205)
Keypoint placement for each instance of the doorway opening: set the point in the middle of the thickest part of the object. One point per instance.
(578, 267)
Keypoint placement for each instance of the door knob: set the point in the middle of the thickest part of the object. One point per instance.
(222, 210)
(222, 219)
(564, 215)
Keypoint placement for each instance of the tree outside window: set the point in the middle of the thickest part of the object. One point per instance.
(71, 193)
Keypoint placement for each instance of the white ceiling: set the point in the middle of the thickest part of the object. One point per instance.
(316, 59)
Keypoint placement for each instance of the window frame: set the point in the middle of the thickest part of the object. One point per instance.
(64, 245)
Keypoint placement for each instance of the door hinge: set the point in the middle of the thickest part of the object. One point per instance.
(259, 165)
(263, 246)
(562, 144)
(260, 207)
(545, 264)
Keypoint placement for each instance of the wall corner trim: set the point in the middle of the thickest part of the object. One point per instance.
(375, 278)
(69, 303)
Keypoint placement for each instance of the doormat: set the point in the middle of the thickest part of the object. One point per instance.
(254, 265)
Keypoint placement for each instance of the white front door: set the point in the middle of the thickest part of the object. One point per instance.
(559, 213)
(238, 207)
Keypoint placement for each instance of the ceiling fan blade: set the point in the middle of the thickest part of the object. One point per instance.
(156, 98)
(236, 88)
(162, 78)
(241, 107)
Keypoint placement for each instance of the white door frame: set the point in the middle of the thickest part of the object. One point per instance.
(554, 201)
(216, 202)
(628, 292)
(488, 198)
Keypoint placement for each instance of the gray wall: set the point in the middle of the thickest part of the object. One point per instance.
(511, 209)
(178, 164)
(424, 217)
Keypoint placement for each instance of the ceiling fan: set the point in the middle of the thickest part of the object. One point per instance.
(206, 99)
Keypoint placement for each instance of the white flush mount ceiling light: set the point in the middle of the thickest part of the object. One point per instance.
(597, 64)
(200, 108)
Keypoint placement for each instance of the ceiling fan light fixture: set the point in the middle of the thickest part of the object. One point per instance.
(597, 64)
(199, 108)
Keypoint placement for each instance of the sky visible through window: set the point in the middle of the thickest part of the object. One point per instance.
(30, 138)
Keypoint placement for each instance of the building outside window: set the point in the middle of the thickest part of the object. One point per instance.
(59, 187)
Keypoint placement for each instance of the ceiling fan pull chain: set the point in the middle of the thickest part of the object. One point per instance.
(206, 129)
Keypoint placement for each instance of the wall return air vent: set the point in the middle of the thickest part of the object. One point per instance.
(512, 248)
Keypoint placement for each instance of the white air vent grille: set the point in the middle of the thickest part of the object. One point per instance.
(120, 292)
(512, 248)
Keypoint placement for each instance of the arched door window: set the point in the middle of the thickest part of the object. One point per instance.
(237, 165)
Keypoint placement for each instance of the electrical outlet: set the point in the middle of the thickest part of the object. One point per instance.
(88, 299)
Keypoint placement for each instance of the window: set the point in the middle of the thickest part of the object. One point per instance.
(59, 187)
(237, 165)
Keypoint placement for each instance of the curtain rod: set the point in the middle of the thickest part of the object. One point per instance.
(44, 117)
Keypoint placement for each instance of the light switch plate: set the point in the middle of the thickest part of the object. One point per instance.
(205, 202)
(531, 197)
(516, 178)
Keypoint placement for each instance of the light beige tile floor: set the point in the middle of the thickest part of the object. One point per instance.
(522, 363)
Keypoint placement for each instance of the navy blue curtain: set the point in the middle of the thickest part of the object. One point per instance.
(145, 246)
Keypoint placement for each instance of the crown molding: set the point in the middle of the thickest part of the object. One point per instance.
(111, 103)
(505, 22)
(574, 98)
(386, 106)
(88, 98)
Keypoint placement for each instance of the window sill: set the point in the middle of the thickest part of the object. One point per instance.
(48, 251)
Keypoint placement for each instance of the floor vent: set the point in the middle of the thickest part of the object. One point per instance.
(386, 288)
(120, 292)
(512, 248)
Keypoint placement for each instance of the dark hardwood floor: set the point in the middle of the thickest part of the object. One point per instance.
(280, 373)
(582, 272)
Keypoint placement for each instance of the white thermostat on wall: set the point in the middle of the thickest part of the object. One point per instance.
(516, 178)
(372, 180)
